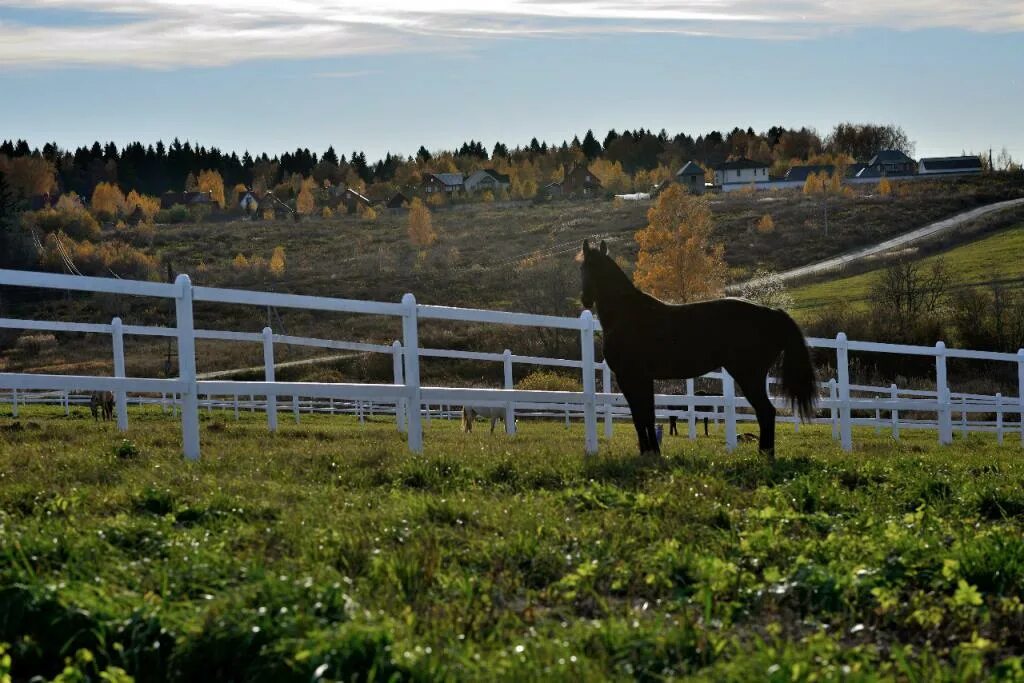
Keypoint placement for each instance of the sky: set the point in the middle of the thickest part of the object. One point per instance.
(392, 75)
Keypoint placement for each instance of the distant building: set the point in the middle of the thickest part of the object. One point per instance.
(271, 206)
(449, 183)
(800, 173)
(741, 171)
(690, 176)
(551, 190)
(888, 162)
(397, 201)
(170, 199)
(581, 182)
(487, 179)
(940, 165)
(248, 202)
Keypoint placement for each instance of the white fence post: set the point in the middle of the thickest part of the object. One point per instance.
(843, 369)
(396, 362)
(236, 407)
(411, 348)
(120, 396)
(589, 400)
(729, 394)
(691, 419)
(187, 368)
(269, 376)
(999, 418)
(833, 395)
(606, 387)
(963, 416)
(510, 408)
(295, 407)
(1020, 392)
(945, 413)
(895, 414)
(67, 404)
(14, 403)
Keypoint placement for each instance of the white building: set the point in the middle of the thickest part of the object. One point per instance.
(940, 165)
(741, 171)
(487, 179)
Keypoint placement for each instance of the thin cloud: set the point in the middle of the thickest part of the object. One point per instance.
(178, 33)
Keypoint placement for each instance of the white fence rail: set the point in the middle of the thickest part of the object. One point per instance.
(843, 403)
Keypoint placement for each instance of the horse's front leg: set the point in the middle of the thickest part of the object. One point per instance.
(639, 393)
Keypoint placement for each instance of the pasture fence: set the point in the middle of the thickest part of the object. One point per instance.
(842, 403)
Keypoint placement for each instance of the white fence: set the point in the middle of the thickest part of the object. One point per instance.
(843, 403)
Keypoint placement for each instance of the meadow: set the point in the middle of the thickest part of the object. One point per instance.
(995, 257)
(328, 552)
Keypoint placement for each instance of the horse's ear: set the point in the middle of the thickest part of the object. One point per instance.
(586, 246)
(604, 248)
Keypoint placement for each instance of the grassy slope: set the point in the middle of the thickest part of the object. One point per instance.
(478, 260)
(328, 546)
(991, 258)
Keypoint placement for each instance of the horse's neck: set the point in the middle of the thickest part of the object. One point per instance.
(618, 301)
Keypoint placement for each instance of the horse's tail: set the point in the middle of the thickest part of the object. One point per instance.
(799, 384)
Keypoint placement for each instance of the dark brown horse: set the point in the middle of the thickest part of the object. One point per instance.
(646, 339)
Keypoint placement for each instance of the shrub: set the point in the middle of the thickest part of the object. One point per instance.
(548, 380)
(176, 214)
(766, 225)
(77, 223)
(277, 261)
(884, 187)
(240, 263)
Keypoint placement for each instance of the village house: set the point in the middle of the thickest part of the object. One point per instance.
(741, 171)
(272, 207)
(487, 179)
(397, 201)
(580, 182)
(941, 165)
(248, 202)
(801, 173)
(691, 176)
(449, 183)
(888, 162)
(187, 198)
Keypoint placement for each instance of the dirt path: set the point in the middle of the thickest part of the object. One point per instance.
(930, 230)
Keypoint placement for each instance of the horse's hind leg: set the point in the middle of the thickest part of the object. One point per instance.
(753, 386)
(639, 393)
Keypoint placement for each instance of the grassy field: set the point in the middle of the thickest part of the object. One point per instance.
(996, 257)
(327, 552)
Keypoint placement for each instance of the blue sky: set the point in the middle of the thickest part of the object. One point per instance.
(272, 76)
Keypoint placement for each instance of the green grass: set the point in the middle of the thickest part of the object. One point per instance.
(327, 552)
(995, 257)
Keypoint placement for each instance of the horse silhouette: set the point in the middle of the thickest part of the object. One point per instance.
(646, 339)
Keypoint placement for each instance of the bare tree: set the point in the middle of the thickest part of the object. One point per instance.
(907, 292)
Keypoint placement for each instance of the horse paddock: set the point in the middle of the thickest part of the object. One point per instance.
(328, 551)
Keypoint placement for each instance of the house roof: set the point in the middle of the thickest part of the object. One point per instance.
(854, 169)
(800, 173)
(690, 168)
(349, 192)
(449, 179)
(500, 177)
(951, 163)
(739, 164)
(890, 156)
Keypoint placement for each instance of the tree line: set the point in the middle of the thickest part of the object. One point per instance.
(157, 168)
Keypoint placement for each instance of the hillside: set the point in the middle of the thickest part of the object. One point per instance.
(994, 258)
(516, 257)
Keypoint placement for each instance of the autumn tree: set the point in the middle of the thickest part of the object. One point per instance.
(148, 205)
(884, 187)
(28, 175)
(766, 225)
(421, 230)
(191, 184)
(677, 260)
(107, 201)
(240, 263)
(277, 262)
(304, 203)
(210, 181)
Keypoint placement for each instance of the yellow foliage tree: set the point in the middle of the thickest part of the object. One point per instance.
(677, 259)
(436, 199)
(327, 212)
(304, 203)
(191, 184)
(812, 185)
(149, 205)
(69, 201)
(884, 187)
(766, 224)
(29, 175)
(277, 262)
(421, 229)
(240, 263)
(210, 181)
(107, 200)
(369, 214)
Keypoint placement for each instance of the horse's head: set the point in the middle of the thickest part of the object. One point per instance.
(590, 263)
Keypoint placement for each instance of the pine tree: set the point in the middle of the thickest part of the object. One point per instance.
(591, 147)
